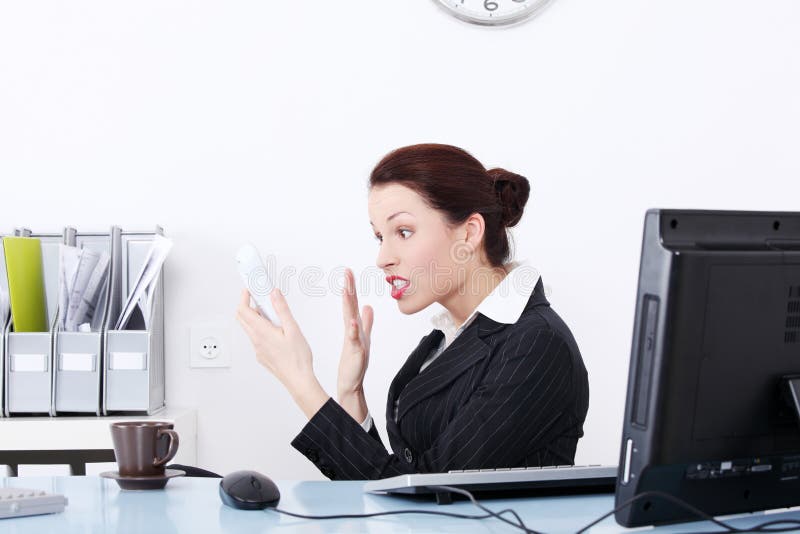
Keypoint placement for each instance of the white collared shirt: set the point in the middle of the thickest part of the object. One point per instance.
(504, 304)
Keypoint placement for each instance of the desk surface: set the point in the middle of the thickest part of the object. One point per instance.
(193, 505)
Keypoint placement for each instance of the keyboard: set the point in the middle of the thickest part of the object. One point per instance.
(18, 502)
(551, 480)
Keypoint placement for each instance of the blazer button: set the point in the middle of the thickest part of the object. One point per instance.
(312, 455)
(408, 455)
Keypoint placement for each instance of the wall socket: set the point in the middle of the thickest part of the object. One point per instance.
(209, 346)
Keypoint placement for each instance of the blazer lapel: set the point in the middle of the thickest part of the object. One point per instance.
(410, 369)
(410, 387)
(466, 350)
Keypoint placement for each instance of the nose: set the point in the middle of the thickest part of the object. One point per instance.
(386, 257)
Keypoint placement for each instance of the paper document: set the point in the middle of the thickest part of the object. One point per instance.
(68, 259)
(82, 278)
(142, 292)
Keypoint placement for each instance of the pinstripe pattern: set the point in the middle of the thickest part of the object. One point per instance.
(498, 396)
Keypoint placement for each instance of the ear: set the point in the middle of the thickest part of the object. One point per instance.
(475, 228)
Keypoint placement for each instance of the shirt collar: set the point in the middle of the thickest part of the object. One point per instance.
(504, 304)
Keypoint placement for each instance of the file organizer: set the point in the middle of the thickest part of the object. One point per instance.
(77, 384)
(27, 371)
(3, 287)
(6, 324)
(133, 366)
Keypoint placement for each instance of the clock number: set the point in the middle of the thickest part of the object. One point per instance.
(493, 12)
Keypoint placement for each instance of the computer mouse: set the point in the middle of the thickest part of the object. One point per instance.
(248, 490)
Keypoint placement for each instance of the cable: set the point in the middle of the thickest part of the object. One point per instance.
(392, 512)
(489, 513)
(761, 527)
(791, 524)
(469, 495)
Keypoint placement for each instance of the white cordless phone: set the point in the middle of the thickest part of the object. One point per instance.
(256, 280)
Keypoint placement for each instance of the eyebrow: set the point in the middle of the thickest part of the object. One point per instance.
(392, 216)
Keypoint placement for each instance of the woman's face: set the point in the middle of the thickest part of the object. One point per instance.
(416, 246)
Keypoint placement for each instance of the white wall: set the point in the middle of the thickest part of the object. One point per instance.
(227, 122)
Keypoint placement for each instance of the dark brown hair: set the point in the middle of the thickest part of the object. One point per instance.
(452, 181)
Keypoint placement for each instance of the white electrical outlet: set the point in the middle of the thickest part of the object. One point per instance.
(209, 346)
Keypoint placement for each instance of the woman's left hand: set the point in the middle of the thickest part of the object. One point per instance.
(281, 349)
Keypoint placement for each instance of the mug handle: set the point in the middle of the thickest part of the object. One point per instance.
(173, 446)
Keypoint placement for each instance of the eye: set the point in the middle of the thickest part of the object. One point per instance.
(400, 231)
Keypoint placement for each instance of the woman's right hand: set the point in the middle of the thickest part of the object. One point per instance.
(355, 352)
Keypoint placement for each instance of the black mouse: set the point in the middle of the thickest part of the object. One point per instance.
(248, 490)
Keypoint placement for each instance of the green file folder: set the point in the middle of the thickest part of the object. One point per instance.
(26, 284)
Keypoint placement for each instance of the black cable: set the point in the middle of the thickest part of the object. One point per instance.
(792, 524)
(761, 526)
(469, 495)
(697, 512)
(392, 512)
(489, 513)
(356, 516)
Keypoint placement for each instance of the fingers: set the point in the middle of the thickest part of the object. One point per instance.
(251, 333)
(352, 297)
(350, 300)
(244, 310)
(353, 294)
(348, 312)
(352, 330)
(282, 309)
(367, 316)
(254, 324)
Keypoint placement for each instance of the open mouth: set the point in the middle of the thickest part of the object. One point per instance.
(399, 286)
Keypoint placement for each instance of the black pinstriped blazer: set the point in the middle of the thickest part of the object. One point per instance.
(500, 395)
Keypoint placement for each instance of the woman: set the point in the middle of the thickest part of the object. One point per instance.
(499, 383)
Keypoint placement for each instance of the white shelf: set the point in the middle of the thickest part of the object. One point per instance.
(92, 432)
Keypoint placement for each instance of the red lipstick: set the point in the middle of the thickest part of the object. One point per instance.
(397, 293)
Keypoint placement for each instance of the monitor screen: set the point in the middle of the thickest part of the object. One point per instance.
(709, 416)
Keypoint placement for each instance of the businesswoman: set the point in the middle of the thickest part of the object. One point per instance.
(498, 383)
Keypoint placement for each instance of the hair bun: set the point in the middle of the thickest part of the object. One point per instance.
(512, 192)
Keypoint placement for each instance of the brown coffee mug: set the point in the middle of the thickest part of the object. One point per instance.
(139, 449)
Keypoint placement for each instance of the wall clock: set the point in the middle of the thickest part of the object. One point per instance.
(493, 12)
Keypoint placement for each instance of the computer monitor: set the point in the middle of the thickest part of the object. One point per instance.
(711, 413)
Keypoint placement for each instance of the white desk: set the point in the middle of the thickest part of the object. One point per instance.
(193, 505)
(79, 440)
